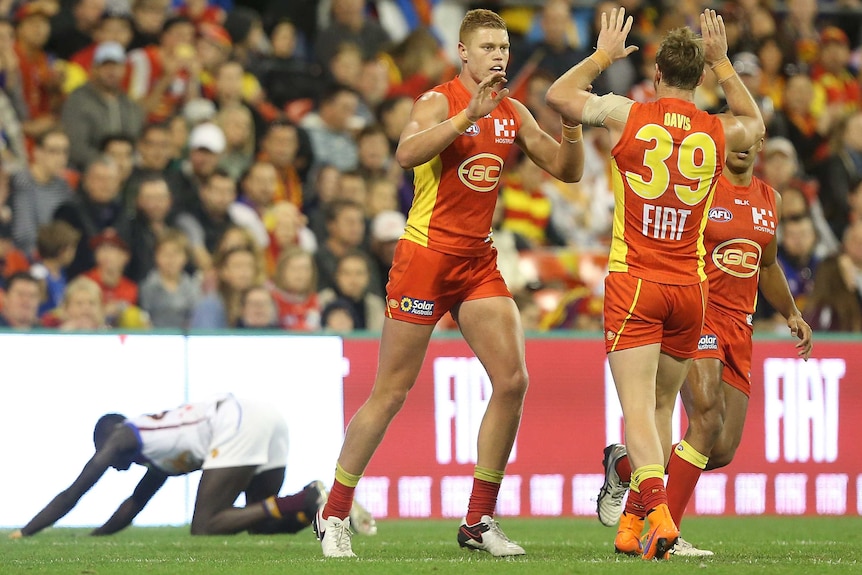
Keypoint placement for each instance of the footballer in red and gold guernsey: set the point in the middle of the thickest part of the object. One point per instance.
(667, 157)
(456, 140)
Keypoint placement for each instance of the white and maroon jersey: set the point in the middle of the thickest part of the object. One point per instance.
(177, 441)
(742, 222)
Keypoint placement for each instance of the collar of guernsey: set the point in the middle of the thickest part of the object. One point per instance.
(455, 191)
(664, 171)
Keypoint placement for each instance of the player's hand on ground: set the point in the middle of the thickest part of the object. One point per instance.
(17, 534)
(615, 30)
(799, 328)
(488, 96)
(714, 36)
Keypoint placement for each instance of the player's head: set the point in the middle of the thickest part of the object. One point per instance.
(680, 59)
(742, 162)
(104, 427)
(483, 42)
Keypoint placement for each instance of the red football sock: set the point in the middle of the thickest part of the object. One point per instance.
(653, 493)
(634, 506)
(682, 478)
(483, 500)
(624, 468)
(340, 501)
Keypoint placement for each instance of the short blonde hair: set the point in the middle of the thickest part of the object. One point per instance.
(479, 18)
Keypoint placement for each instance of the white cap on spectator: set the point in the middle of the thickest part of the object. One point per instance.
(779, 145)
(208, 137)
(746, 63)
(109, 52)
(388, 226)
(199, 110)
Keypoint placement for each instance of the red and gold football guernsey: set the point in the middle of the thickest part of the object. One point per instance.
(664, 172)
(455, 192)
(742, 222)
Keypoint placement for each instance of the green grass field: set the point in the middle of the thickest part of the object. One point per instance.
(554, 546)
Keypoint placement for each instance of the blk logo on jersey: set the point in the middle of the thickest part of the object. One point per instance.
(502, 132)
(707, 341)
(718, 214)
(415, 306)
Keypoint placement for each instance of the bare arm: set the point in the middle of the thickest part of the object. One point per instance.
(773, 285)
(122, 440)
(430, 130)
(150, 483)
(570, 93)
(564, 160)
(739, 136)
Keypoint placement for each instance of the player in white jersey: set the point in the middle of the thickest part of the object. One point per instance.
(240, 445)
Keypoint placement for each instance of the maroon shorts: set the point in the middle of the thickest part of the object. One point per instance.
(727, 338)
(424, 284)
(640, 312)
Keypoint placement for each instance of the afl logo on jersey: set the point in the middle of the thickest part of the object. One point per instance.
(481, 172)
(738, 257)
(473, 130)
(720, 214)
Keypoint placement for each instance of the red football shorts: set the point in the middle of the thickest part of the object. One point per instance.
(728, 338)
(639, 312)
(424, 284)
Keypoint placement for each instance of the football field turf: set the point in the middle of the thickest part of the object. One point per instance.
(554, 546)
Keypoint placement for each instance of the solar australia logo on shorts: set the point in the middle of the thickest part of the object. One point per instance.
(718, 214)
(707, 341)
(415, 306)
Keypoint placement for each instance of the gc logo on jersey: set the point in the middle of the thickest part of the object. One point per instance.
(415, 306)
(738, 257)
(718, 214)
(481, 172)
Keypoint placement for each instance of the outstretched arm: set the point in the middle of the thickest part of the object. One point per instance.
(773, 285)
(739, 135)
(129, 509)
(570, 93)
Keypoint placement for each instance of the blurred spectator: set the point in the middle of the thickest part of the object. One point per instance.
(836, 300)
(115, 25)
(329, 129)
(287, 77)
(258, 186)
(798, 258)
(121, 149)
(393, 114)
(169, 294)
(153, 216)
(747, 65)
(527, 205)
(295, 292)
(234, 86)
(201, 12)
(237, 270)
(287, 229)
(36, 192)
(799, 30)
(375, 155)
(345, 66)
(152, 158)
(246, 31)
(421, 64)
(93, 209)
(387, 227)
(214, 47)
(82, 308)
(622, 74)
(11, 81)
(352, 283)
(374, 85)
(73, 30)
(40, 81)
(206, 144)
(508, 245)
(56, 245)
(559, 48)
(21, 302)
(644, 91)
(831, 73)
(840, 173)
(798, 122)
(149, 18)
(257, 310)
(99, 107)
(165, 76)
(238, 126)
(118, 293)
(350, 24)
(345, 226)
(13, 151)
(338, 317)
(382, 196)
(279, 147)
(770, 55)
(12, 260)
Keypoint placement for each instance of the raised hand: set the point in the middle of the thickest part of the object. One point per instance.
(714, 36)
(800, 329)
(615, 30)
(488, 96)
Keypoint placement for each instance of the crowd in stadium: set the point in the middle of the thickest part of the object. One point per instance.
(217, 164)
